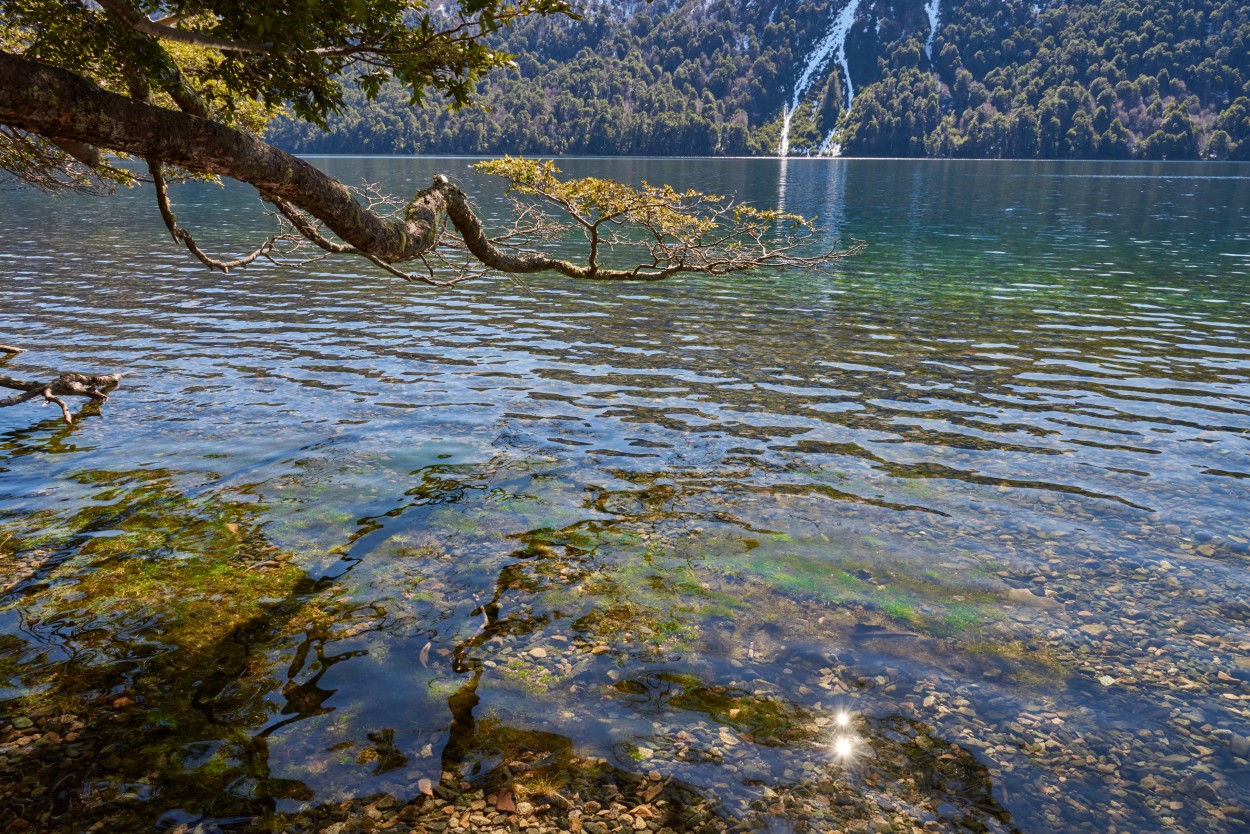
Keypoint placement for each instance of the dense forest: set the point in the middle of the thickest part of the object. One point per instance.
(1109, 79)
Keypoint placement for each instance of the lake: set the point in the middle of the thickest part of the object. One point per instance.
(952, 537)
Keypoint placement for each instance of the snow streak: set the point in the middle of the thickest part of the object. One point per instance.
(831, 47)
(934, 9)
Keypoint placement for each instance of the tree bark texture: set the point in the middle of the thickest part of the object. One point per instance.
(62, 106)
(67, 108)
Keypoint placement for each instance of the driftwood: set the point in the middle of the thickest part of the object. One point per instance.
(92, 386)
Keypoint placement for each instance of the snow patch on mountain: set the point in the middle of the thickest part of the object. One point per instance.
(933, 9)
(831, 47)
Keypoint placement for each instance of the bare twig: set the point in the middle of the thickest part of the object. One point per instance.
(54, 165)
(178, 233)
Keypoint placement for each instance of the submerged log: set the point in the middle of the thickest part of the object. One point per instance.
(70, 384)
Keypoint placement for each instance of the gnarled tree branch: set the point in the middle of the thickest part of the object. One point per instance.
(60, 105)
(92, 386)
(180, 234)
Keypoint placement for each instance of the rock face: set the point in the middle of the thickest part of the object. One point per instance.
(1025, 597)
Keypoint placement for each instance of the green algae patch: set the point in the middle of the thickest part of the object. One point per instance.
(1029, 665)
(197, 568)
(162, 602)
(761, 719)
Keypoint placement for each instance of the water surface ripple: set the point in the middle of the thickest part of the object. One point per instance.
(983, 486)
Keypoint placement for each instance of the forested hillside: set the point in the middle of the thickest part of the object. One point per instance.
(950, 78)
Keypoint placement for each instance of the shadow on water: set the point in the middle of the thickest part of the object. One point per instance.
(158, 644)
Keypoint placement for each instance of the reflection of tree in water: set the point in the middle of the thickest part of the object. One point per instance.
(901, 764)
(944, 781)
(163, 642)
(140, 659)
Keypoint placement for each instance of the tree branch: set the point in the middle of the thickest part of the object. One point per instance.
(180, 234)
(92, 386)
(679, 231)
(84, 153)
(58, 104)
(307, 228)
(166, 28)
(135, 20)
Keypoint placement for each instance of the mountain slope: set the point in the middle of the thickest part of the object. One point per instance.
(1076, 79)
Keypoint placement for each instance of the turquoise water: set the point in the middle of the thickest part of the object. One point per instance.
(980, 490)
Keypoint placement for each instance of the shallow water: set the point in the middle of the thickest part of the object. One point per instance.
(979, 494)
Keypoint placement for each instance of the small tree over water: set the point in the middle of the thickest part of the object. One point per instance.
(187, 87)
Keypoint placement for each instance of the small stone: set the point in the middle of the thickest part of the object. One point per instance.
(538, 651)
(756, 770)
(1239, 745)
(1106, 680)
(525, 808)
(22, 723)
(1025, 597)
(1094, 629)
